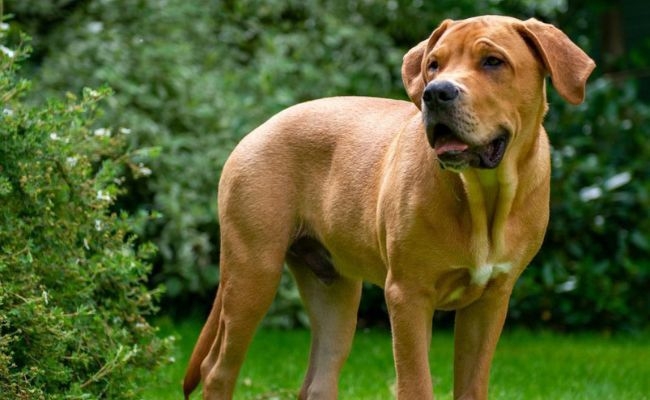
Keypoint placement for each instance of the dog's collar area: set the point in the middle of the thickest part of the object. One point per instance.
(455, 154)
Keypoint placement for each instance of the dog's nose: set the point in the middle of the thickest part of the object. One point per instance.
(440, 93)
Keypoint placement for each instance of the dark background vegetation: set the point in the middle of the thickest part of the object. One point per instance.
(190, 78)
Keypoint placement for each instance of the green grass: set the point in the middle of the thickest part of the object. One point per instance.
(527, 366)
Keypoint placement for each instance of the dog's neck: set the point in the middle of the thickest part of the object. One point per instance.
(491, 196)
(519, 185)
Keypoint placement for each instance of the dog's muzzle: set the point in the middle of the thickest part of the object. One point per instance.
(449, 131)
(455, 154)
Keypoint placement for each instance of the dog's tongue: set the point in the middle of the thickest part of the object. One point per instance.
(447, 144)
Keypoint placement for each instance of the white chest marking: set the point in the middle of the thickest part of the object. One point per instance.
(482, 274)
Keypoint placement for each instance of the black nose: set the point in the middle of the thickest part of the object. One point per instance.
(440, 93)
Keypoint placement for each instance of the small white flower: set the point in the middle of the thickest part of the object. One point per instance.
(144, 171)
(54, 136)
(103, 196)
(8, 111)
(4, 26)
(46, 297)
(95, 27)
(618, 180)
(71, 161)
(125, 131)
(98, 225)
(7, 51)
(141, 325)
(590, 193)
(103, 132)
(568, 286)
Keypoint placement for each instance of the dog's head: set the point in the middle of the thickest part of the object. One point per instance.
(479, 82)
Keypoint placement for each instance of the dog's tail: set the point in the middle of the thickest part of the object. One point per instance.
(202, 347)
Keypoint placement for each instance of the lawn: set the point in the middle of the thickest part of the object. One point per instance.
(527, 366)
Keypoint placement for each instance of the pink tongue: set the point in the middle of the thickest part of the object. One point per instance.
(448, 144)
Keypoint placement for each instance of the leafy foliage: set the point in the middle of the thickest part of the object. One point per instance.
(191, 78)
(595, 265)
(72, 290)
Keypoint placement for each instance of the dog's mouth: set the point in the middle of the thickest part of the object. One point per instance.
(455, 154)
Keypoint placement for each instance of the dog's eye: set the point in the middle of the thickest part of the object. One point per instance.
(433, 66)
(492, 62)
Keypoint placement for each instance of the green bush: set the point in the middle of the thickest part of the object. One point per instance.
(193, 79)
(72, 295)
(594, 267)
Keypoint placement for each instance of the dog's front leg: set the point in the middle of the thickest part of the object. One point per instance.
(411, 312)
(477, 330)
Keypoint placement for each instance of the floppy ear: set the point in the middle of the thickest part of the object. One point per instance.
(412, 72)
(413, 68)
(567, 64)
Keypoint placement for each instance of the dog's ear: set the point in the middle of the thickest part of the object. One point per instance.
(413, 68)
(567, 64)
(412, 72)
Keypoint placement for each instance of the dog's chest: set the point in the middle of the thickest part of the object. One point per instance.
(464, 285)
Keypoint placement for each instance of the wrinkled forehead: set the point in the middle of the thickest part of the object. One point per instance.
(495, 31)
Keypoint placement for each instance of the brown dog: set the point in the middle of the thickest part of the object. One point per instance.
(443, 204)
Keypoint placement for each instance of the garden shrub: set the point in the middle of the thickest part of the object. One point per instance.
(194, 77)
(594, 268)
(73, 298)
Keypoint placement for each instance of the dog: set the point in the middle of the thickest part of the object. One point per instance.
(441, 201)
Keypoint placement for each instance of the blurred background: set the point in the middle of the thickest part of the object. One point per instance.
(190, 78)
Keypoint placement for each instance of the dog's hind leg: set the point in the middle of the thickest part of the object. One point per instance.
(250, 275)
(332, 302)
